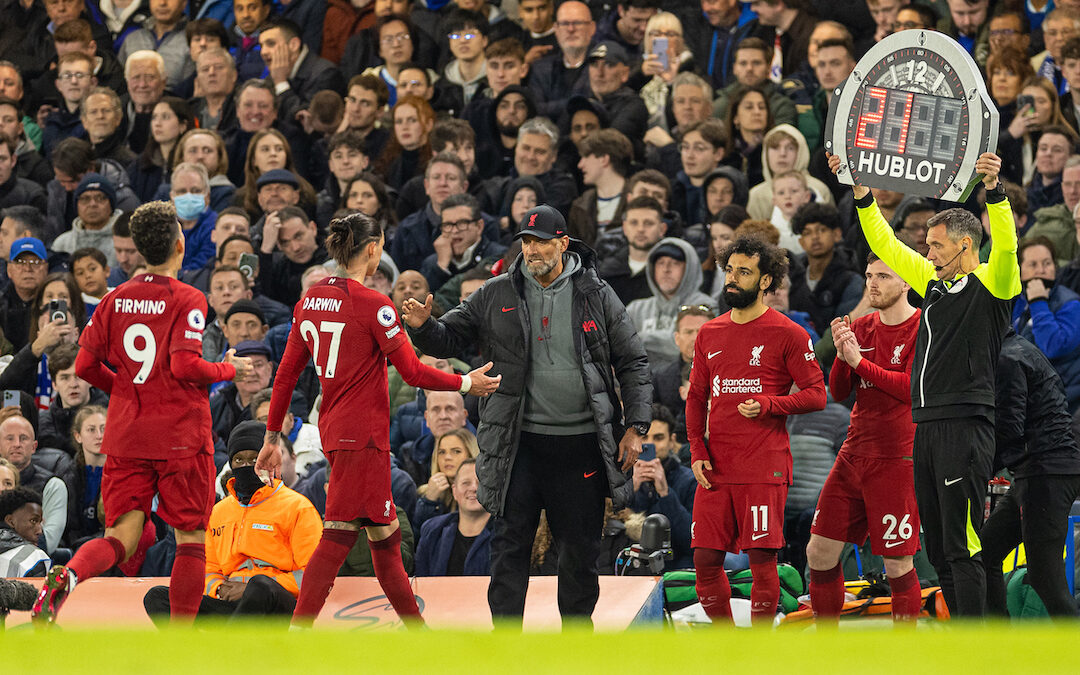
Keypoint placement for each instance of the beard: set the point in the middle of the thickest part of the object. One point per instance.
(508, 130)
(541, 268)
(886, 300)
(739, 298)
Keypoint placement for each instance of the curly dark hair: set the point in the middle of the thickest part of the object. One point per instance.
(772, 260)
(14, 499)
(815, 212)
(154, 229)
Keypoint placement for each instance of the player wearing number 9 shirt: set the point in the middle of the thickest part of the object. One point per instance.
(157, 433)
(349, 331)
(745, 363)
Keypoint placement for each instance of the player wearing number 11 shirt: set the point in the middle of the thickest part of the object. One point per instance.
(349, 331)
(745, 363)
(157, 434)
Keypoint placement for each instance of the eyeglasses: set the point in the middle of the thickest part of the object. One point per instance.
(396, 39)
(27, 262)
(68, 77)
(1003, 33)
(462, 36)
(572, 25)
(457, 225)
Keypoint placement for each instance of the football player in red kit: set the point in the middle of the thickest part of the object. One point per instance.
(349, 331)
(157, 434)
(745, 363)
(871, 488)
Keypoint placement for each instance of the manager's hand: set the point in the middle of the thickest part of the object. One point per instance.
(629, 448)
(414, 314)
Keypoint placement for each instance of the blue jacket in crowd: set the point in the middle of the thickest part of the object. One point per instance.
(437, 541)
(1053, 325)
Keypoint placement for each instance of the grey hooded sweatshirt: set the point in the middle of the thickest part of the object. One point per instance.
(654, 317)
(556, 402)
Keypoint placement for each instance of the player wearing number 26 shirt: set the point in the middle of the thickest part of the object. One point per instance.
(157, 433)
(349, 331)
(871, 488)
(745, 363)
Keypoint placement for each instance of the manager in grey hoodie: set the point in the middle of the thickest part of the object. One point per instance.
(674, 274)
(556, 435)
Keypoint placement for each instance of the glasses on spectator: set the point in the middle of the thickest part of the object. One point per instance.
(462, 36)
(573, 25)
(1003, 33)
(457, 225)
(1067, 33)
(362, 102)
(27, 262)
(396, 39)
(68, 77)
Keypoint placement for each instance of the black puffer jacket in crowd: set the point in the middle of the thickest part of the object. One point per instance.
(610, 349)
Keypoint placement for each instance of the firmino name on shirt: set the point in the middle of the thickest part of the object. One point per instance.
(133, 306)
(322, 304)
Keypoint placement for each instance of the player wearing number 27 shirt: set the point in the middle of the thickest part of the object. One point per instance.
(745, 363)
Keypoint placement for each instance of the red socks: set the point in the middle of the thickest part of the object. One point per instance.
(827, 594)
(390, 571)
(906, 597)
(187, 583)
(97, 557)
(320, 573)
(713, 589)
(765, 593)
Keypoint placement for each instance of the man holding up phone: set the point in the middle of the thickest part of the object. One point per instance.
(663, 485)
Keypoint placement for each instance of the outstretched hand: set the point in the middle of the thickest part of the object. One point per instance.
(482, 385)
(414, 314)
(989, 165)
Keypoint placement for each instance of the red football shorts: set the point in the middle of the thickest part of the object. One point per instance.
(185, 487)
(739, 517)
(360, 487)
(870, 495)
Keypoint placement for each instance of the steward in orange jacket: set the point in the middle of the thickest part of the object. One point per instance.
(273, 535)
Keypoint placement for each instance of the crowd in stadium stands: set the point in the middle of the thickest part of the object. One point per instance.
(660, 130)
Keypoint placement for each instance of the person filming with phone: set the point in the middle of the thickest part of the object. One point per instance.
(663, 485)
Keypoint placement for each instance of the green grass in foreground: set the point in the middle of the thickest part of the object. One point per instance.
(262, 650)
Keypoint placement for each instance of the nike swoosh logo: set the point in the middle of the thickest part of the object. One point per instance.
(590, 474)
(891, 544)
(758, 536)
(508, 309)
(954, 481)
(712, 354)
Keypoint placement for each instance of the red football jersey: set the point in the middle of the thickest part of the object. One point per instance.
(348, 330)
(760, 360)
(881, 424)
(136, 328)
